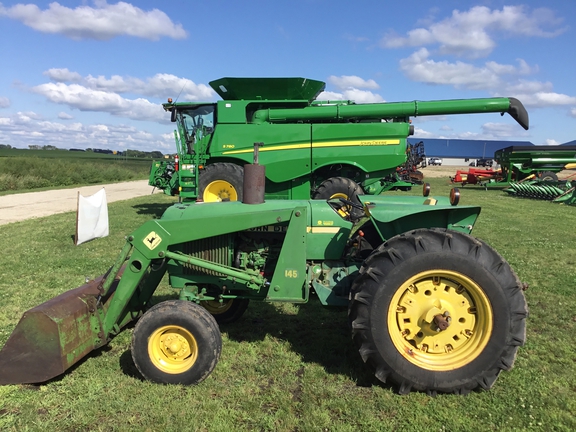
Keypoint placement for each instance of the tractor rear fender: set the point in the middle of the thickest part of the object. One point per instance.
(396, 215)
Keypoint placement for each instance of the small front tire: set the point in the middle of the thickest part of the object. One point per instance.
(176, 342)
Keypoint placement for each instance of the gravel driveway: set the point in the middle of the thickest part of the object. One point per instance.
(18, 207)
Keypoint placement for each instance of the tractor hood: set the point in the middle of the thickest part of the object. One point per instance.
(394, 214)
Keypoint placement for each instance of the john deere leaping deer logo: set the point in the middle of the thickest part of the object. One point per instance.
(152, 240)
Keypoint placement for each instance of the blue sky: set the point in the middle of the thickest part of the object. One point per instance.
(79, 74)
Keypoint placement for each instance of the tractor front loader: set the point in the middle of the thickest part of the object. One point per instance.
(431, 308)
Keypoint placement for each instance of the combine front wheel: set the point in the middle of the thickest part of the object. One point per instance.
(221, 182)
(176, 342)
(436, 311)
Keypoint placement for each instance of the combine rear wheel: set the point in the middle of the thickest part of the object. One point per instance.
(221, 182)
(437, 311)
(341, 187)
(176, 342)
(228, 311)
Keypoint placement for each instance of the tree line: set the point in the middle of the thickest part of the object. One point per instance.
(127, 153)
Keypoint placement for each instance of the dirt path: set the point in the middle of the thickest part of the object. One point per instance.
(18, 207)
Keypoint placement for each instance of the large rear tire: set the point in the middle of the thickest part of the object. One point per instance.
(437, 311)
(176, 342)
(221, 182)
(228, 311)
(341, 187)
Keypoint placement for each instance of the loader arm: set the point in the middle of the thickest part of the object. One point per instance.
(55, 335)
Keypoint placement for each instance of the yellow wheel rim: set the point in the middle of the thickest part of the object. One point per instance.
(345, 209)
(172, 349)
(215, 307)
(220, 190)
(450, 297)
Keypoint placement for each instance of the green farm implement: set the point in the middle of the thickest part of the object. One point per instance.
(312, 149)
(522, 163)
(563, 192)
(431, 308)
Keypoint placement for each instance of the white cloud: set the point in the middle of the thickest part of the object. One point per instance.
(85, 99)
(345, 82)
(64, 116)
(498, 79)
(541, 94)
(354, 38)
(490, 131)
(102, 94)
(62, 75)
(419, 67)
(23, 129)
(4, 102)
(160, 85)
(358, 96)
(500, 130)
(551, 142)
(573, 112)
(471, 33)
(102, 22)
(350, 87)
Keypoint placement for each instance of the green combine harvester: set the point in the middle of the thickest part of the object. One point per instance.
(311, 149)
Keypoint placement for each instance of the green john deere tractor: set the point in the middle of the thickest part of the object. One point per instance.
(431, 308)
(312, 149)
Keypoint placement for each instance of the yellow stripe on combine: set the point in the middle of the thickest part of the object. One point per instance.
(319, 145)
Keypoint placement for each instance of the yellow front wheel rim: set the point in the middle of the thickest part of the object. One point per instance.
(172, 349)
(220, 190)
(215, 307)
(454, 298)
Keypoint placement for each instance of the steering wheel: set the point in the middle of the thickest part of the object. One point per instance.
(351, 204)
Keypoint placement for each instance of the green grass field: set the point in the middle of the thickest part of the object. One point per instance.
(294, 368)
(26, 170)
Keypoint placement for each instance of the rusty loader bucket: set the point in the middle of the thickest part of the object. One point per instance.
(53, 336)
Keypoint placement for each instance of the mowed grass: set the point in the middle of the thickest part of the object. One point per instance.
(292, 368)
(23, 174)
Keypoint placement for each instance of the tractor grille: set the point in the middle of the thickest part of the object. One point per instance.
(215, 249)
